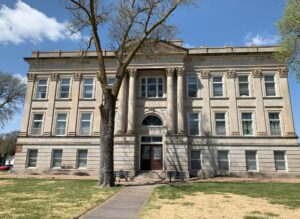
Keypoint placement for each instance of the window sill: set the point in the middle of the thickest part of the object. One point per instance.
(193, 98)
(87, 99)
(246, 98)
(31, 168)
(272, 98)
(56, 168)
(63, 100)
(40, 100)
(152, 98)
(219, 98)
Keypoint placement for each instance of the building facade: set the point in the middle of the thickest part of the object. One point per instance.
(190, 112)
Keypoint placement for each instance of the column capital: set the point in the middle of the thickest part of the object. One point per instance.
(31, 77)
(180, 71)
(231, 73)
(132, 72)
(283, 72)
(170, 71)
(205, 74)
(256, 73)
(77, 76)
(54, 76)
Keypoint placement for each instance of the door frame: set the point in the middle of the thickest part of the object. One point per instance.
(151, 143)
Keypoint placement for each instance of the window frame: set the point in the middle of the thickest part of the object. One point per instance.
(84, 89)
(215, 123)
(228, 160)
(280, 123)
(256, 161)
(37, 88)
(157, 87)
(60, 88)
(213, 83)
(66, 121)
(152, 125)
(91, 123)
(28, 158)
(32, 123)
(187, 85)
(285, 161)
(86, 159)
(199, 123)
(201, 156)
(248, 82)
(275, 85)
(52, 158)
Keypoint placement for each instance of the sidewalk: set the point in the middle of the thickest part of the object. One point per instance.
(127, 204)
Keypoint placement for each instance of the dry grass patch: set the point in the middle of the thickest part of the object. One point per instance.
(224, 200)
(41, 198)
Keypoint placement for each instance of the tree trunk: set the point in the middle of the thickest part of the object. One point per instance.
(107, 127)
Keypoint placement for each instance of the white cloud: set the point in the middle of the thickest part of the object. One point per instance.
(261, 40)
(21, 77)
(24, 23)
(188, 45)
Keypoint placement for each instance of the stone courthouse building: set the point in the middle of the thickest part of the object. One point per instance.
(190, 112)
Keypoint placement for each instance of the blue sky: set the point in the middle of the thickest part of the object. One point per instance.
(39, 25)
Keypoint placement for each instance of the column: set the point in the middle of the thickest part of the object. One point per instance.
(206, 114)
(233, 113)
(27, 104)
(170, 101)
(51, 101)
(180, 101)
(131, 102)
(74, 104)
(287, 108)
(259, 102)
(120, 118)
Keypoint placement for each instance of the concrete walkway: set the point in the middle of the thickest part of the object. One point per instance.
(127, 204)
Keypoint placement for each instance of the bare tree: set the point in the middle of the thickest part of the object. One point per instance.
(12, 94)
(132, 25)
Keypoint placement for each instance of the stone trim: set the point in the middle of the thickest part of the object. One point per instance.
(231, 73)
(205, 74)
(170, 71)
(77, 76)
(54, 76)
(132, 72)
(180, 71)
(31, 77)
(257, 73)
(283, 72)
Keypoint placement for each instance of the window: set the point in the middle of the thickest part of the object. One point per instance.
(279, 157)
(195, 160)
(64, 88)
(110, 80)
(218, 86)
(82, 158)
(152, 120)
(274, 124)
(223, 160)
(192, 86)
(152, 87)
(56, 158)
(37, 124)
(41, 89)
(32, 157)
(243, 86)
(85, 123)
(247, 124)
(61, 123)
(251, 160)
(88, 85)
(220, 124)
(194, 124)
(270, 85)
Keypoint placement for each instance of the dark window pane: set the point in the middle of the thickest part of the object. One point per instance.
(152, 120)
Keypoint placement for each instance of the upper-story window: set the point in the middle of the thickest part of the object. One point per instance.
(247, 124)
(220, 123)
(41, 90)
(61, 124)
(88, 87)
(152, 121)
(37, 124)
(152, 87)
(192, 86)
(270, 85)
(274, 120)
(85, 123)
(194, 123)
(217, 86)
(110, 80)
(244, 85)
(64, 92)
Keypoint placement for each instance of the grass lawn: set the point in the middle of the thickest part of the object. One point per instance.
(45, 198)
(225, 200)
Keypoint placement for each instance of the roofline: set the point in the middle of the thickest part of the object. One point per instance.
(190, 51)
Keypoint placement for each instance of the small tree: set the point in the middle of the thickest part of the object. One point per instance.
(132, 24)
(7, 145)
(12, 94)
(289, 27)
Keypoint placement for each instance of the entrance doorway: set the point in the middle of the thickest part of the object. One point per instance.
(151, 157)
